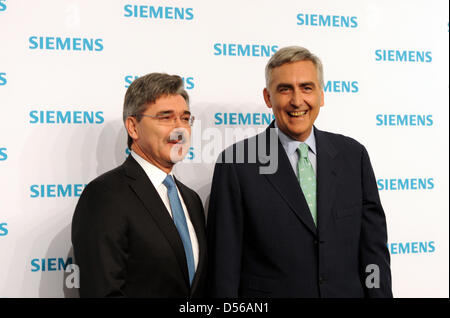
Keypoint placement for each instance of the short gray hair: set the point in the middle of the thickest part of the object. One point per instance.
(292, 54)
(146, 90)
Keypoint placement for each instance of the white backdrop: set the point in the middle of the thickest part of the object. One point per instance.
(65, 66)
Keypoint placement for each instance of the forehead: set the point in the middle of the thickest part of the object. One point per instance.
(169, 102)
(295, 72)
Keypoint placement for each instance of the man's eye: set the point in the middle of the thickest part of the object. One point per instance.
(283, 89)
(164, 118)
(185, 118)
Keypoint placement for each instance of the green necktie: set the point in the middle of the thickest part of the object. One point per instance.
(307, 179)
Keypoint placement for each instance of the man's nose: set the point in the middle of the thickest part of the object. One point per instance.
(297, 98)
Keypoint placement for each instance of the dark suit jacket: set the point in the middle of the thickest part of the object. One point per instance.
(263, 241)
(125, 242)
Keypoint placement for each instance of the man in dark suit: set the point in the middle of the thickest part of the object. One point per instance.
(137, 231)
(312, 227)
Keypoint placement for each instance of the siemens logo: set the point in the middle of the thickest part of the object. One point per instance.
(403, 56)
(254, 50)
(412, 247)
(66, 117)
(56, 190)
(151, 12)
(243, 118)
(3, 80)
(3, 155)
(50, 264)
(405, 184)
(404, 120)
(188, 81)
(3, 5)
(3, 229)
(334, 21)
(129, 79)
(65, 44)
(341, 87)
(190, 155)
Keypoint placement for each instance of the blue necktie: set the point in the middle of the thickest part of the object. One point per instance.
(180, 222)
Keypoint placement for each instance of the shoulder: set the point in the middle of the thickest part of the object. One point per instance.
(339, 142)
(110, 182)
(103, 204)
(249, 149)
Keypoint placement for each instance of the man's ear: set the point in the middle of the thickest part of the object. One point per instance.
(267, 98)
(131, 126)
(322, 98)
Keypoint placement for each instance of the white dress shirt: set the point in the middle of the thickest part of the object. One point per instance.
(157, 177)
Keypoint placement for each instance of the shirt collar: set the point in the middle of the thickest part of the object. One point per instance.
(291, 145)
(155, 174)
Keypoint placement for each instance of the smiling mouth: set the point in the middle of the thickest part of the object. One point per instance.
(177, 142)
(298, 114)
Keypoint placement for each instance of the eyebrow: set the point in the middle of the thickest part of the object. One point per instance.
(307, 84)
(169, 112)
(286, 85)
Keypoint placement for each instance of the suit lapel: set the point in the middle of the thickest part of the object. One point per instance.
(327, 171)
(195, 211)
(287, 185)
(147, 193)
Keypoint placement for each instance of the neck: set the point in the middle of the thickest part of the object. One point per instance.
(166, 168)
(301, 138)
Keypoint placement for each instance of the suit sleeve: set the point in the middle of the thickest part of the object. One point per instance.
(225, 232)
(99, 241)
(373, 239)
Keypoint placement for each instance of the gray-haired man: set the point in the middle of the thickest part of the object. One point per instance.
(137, 231)
(315, 227)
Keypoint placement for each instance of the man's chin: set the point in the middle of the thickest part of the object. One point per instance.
(298, 134)
(178, 152)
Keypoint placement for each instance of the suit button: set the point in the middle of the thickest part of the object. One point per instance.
(321, 280)
(315, 242)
